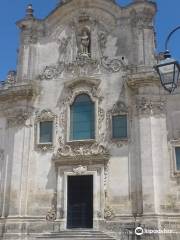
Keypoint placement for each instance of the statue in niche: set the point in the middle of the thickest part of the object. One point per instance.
(85, 42)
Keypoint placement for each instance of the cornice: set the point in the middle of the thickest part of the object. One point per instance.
(144, 78)
(16, 92)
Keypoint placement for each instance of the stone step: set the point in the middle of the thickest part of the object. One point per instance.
(74, 234)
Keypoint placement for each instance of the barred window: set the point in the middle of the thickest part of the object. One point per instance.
(82, 119)
(119, 126)
(46, 132)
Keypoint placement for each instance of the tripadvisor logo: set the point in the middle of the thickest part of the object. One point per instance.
(139, 231)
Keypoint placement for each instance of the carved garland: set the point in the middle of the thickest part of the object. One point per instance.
(44, 115)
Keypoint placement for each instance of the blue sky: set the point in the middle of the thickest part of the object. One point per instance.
(167, 18)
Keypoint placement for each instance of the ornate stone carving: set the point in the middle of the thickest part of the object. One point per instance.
(94, 149)
(45, 115)
(11, 77)
(41, 116)
(119, 108)
(145, 106)
(80, 170)
(84, 48)
(72, 89)
(78, 152)
(51, 215)
(112, 65)
(102, 40)
(101, 115)
(53, 71)
(108, 213)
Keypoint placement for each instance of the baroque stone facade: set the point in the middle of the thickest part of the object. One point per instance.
(105, 51)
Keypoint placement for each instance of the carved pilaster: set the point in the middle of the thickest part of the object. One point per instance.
(146, 106)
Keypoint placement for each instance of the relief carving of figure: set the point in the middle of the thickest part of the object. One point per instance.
(85, 43)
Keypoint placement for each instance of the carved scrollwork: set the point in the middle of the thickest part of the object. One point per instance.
(94, 149)
(145, 106)
(80, 170)
(108, 213)
(53, 71)
(51, 215)
(78, 152)
(112, 65)
(45, 115)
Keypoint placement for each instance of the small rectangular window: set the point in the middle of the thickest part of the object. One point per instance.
(119, 127)
(46, 132)
(177, 152)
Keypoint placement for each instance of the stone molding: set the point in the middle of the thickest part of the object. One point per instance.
(16, 92)
(73, 88)
(45, 115)
(41, 116)
(119, 108)
(141, 77)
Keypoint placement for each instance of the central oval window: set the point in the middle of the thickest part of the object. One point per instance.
(82, 119)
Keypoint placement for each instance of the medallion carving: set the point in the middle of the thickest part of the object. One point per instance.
(51, 215)
(108, 213)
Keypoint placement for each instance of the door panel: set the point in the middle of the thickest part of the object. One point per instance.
(80, 202)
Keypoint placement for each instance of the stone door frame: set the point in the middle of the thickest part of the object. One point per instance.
(97, 171)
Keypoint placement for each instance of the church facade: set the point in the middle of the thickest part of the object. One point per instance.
(88, 137)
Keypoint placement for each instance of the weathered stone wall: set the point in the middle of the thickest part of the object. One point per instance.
(135, 176)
